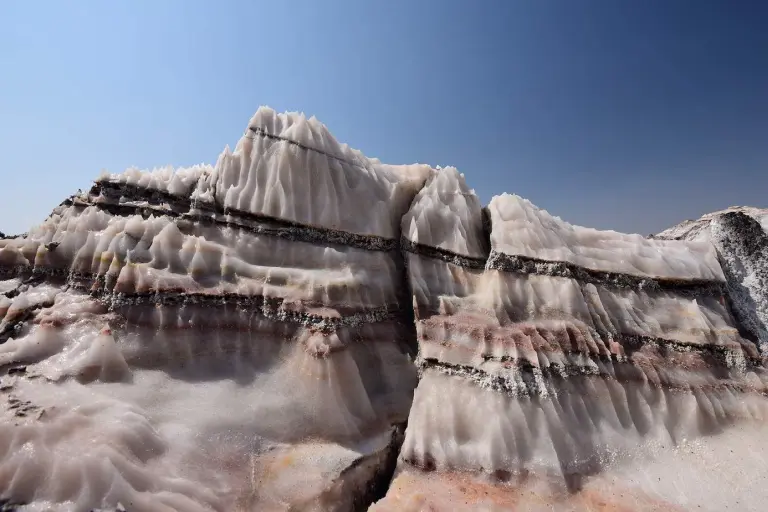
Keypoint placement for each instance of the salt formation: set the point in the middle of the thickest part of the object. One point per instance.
(740, 235)
(212, 338)
(562, 356)
(243, 337)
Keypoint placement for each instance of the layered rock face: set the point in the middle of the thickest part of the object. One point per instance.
(254, 335)
(218, 338)
(740, 235)
(561, 355)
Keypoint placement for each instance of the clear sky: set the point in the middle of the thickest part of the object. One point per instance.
(621, 114)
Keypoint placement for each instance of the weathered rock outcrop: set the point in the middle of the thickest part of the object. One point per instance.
(249, 336)
(558, 352)
(740, 235)
(228, 337)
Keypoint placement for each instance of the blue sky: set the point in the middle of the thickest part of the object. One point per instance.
(625, 115)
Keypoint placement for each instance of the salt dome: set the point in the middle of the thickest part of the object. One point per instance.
(301, 327)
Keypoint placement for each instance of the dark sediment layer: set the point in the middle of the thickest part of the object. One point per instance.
(543, 382)
(275, 308)
(257, 131)
(644, 360)
(447, 256)
(184, 208)
(528, 265)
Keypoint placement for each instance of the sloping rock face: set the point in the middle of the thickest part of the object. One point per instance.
(560, 356)
(255, 335)
(740, 235)
(219, 338)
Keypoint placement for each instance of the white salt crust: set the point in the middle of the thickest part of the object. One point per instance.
(709, 473)
(190, 411)
(176, 181)
(578, 400)
(447, 214)
(498, 298)
(316, 182)
(459, 423)
(522, 229)
(155, 255)
(192, 407)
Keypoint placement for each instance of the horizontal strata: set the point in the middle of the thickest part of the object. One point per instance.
(164, 203)
(161, 253)
(379, 353)
(179, 181)
(275, 308)
(247, 365)
(530, 265)
(101, 286)
(496, 299)
(536, 266)
(521, 229)
(521, 379)
(534, 316)
(438, 345)
(291, 231)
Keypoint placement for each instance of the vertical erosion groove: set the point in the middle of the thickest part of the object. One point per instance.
(383, 476)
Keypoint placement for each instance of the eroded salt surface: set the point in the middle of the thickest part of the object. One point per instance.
(740, 236)
(240, 337)
(160, 253)
(444, 214)
(571, 348)
(165, 179)
(102, 422)
(291, 167)
(711, 473)
(520, 228)
(213, 338)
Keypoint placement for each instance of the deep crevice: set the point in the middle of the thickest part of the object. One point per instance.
(379, 483)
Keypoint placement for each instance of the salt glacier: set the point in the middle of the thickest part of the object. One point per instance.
(301, 327)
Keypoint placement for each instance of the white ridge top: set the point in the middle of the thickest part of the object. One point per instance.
(291, 167)
(447, 214)
(520, 228)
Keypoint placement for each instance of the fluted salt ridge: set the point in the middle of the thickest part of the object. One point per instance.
(177, 181)
(292, 168)
(447, 214)
(522, 229)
